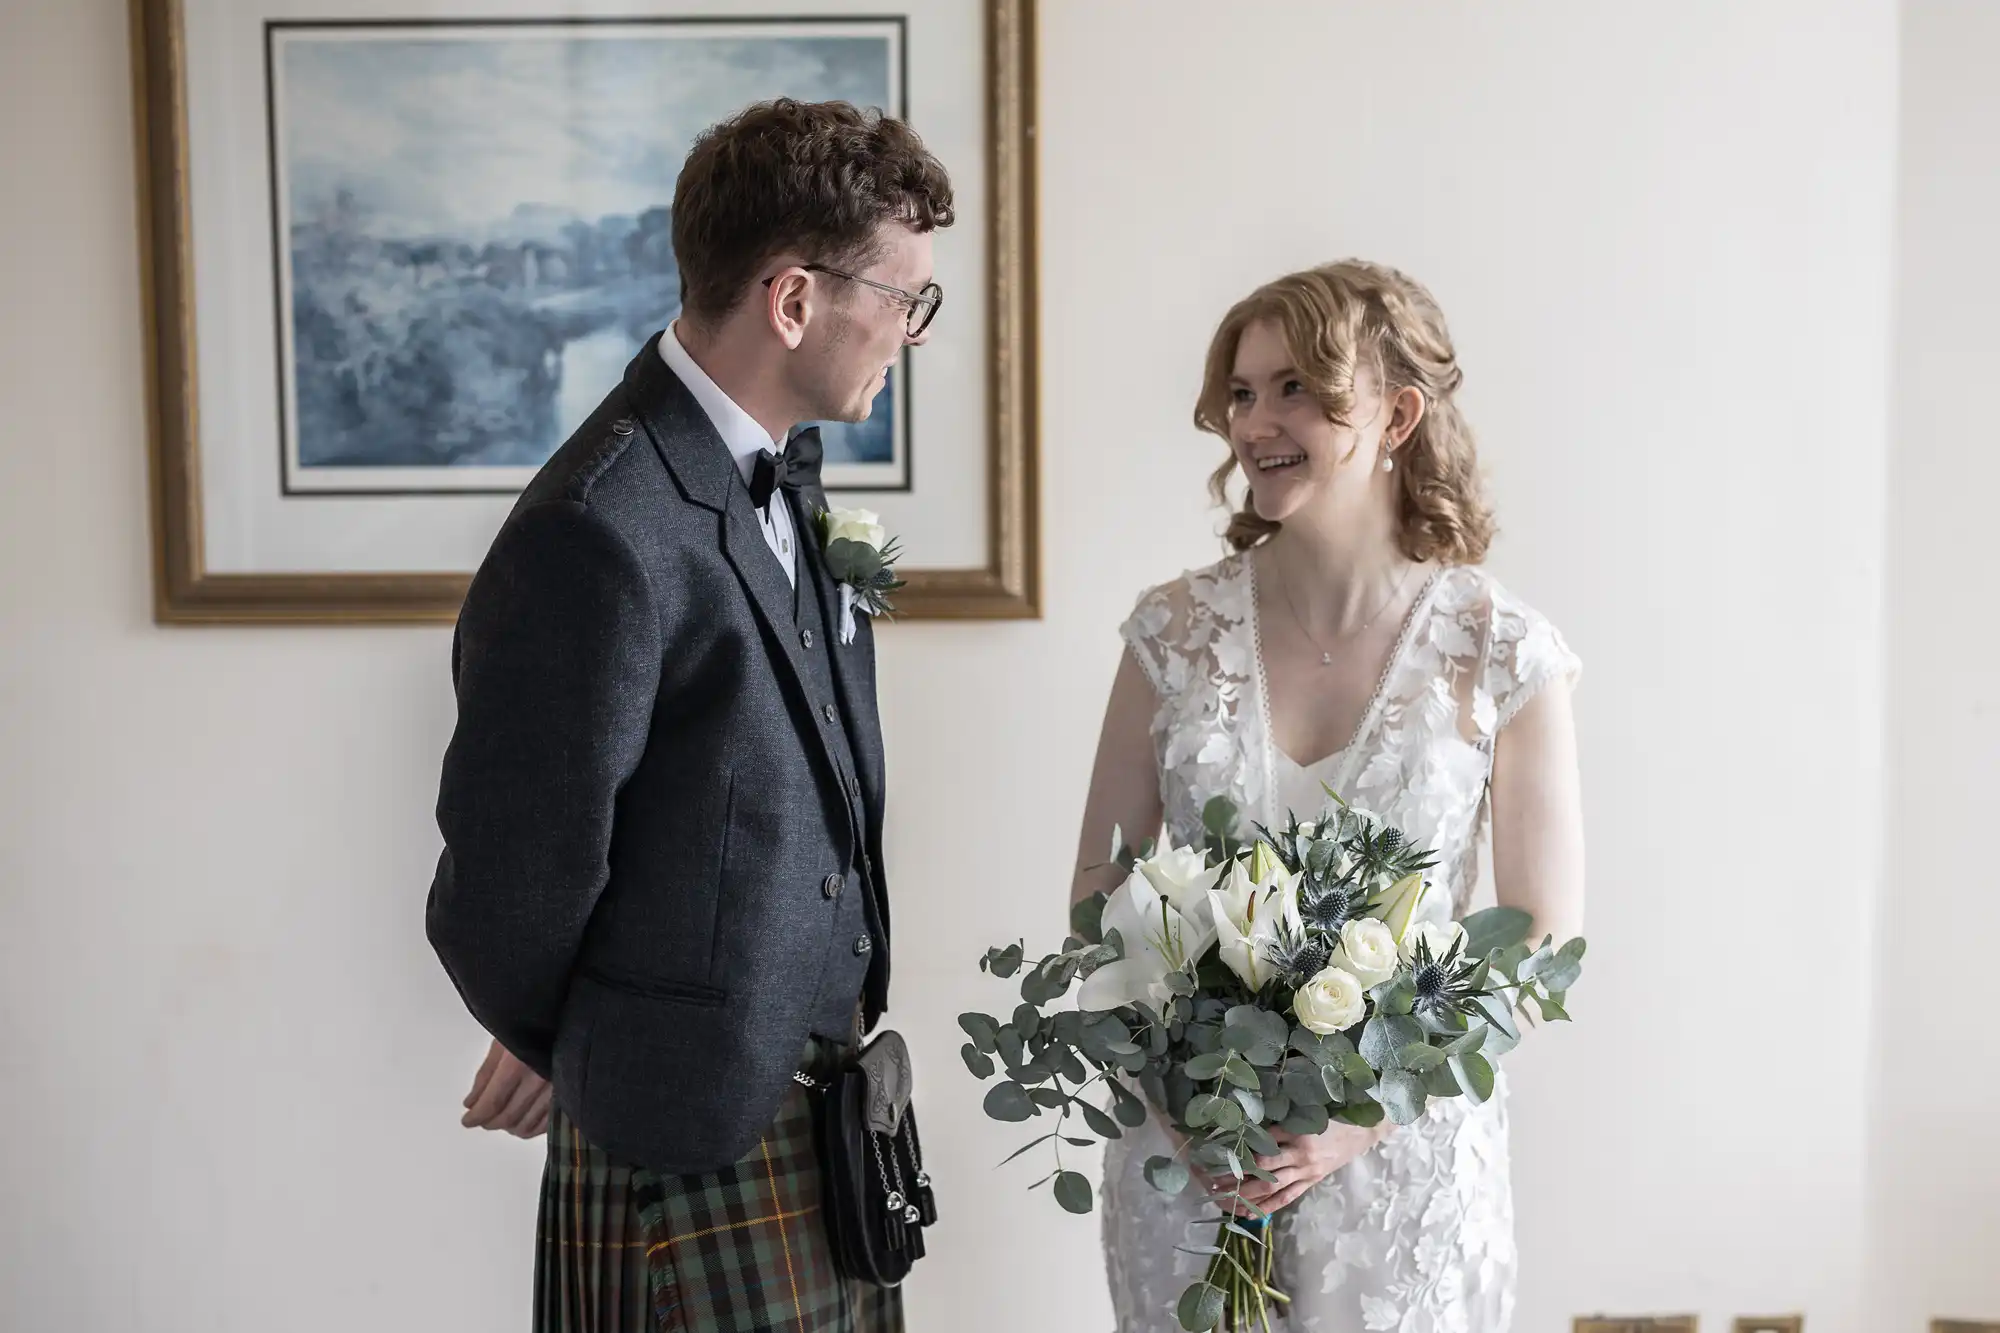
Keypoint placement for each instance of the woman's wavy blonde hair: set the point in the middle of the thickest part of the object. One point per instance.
(1336, 321)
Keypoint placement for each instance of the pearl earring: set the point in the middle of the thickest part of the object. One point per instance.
(1388, 463)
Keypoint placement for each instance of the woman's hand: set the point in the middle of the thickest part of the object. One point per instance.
(1301, 1162)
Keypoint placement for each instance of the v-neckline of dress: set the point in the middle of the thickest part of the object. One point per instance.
(1419, 607)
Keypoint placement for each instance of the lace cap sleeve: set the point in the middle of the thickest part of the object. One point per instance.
(1145, 633)
(1525, 653)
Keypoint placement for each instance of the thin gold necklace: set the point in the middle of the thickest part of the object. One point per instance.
(1325, 656)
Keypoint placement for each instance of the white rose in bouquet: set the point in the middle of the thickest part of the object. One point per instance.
(1441, 936)
(1368, 951)
(1331, 1002)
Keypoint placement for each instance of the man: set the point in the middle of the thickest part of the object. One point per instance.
(661, 887)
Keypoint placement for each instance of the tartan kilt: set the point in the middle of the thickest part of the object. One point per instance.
(620, 1249)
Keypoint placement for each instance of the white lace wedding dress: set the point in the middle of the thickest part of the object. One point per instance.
(1418, 1235)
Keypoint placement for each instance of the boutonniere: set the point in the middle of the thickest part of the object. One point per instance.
(861, 556)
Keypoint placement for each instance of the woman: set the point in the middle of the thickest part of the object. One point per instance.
(1350, 640)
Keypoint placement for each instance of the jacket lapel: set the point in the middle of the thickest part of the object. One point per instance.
(853, 663)
(701, 464)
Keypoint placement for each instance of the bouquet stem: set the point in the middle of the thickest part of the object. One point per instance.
(1242, 1271)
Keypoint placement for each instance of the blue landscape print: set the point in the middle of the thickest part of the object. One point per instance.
(478, 235)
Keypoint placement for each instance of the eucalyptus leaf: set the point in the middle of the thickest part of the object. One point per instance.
(1441, 1082)
(1252, 1103)
(1364, 1111)
(1402, 1096)
(976, 1060)
(1561, 974)
(1420, 1056)
(1053, 1098)
(1072, 1068)
(1027, 1020)
(1073, 1192)
(1030, 1144)
(1100, 1124)
(1258, 1033)
(1396, 997)
(1167, 1175)
(1495, 928)
(1011, 1047)
(1552, 1010)
(1259, 1139)
(1357, 1071)
(1205, 1109)
(1127, 1109)
(982, 1029)
(1086, 917)
(1009, 1101)
(1200, 1307)
(1241, 1075)
(1306, 1119)
(1471, 1041)
(1277, 1106)
(1383, 1040)
(1218, 817)
(1202, 1068)
(1475, 1075)
(1304, 1085)
(1003, 963)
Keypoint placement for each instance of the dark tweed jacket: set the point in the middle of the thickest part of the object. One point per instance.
(652, 834)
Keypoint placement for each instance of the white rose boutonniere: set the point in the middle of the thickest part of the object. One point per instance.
(861, 556)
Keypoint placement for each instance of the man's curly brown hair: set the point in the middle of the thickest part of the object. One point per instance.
(815, 179)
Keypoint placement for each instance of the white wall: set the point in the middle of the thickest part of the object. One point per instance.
(231, 1068)
(1934, 1152)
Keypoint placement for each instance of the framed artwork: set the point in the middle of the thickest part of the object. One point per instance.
(1634, 1324)
(1788, 1323)
(396, 250)
(1964, 1326)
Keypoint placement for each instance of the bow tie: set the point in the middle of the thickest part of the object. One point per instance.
(794, 469)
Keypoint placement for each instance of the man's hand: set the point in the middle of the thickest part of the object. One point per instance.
(508, 1095)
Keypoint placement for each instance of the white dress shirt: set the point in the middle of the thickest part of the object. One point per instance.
(745, 438)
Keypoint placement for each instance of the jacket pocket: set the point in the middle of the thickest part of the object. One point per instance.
(659, 988)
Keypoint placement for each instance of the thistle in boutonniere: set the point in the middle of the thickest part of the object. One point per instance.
(861, 556)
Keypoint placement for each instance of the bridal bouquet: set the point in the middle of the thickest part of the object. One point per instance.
(1282, 982)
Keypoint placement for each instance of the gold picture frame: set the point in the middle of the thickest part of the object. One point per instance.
(1965, 1326)
(1786, 1323)
(1600, 1323)
(187, 591)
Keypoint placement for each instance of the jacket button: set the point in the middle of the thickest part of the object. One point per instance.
(863, 945)
(622, 426)
(806, 637)
(829, 714)
(832, 887)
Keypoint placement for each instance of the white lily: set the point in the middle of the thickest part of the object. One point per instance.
(1252, 909)
(1183, 876)
(1158, 940)
(1401, 905)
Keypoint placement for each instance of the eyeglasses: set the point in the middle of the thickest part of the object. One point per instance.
(921, 306)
